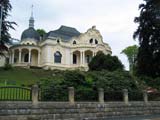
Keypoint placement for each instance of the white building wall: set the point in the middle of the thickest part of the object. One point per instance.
(2, 61)
(67, 56)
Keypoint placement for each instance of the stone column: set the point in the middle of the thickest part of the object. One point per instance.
(39, 56)
(13, 57)
(35, 94)
(145, 96)
(71, 95)
(20, 55)
(125, 96)
(83, 54)
(10, 57)
(29, 56)
(101, 95)
(93, 54)
(81, 58)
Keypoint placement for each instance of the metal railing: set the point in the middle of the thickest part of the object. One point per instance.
(53, 94)
(13, 93)
(113, 96)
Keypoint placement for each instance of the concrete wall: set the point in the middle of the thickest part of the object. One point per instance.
(76, 111)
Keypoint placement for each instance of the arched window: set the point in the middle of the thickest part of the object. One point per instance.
(91, 41)
(96, 41)
(74, 59)
(87, 58)
(26, 57)
(57, 57)
(74, 42)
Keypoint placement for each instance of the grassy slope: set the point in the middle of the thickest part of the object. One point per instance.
(22, 76)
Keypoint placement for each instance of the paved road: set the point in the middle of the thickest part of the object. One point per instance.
(148, 117)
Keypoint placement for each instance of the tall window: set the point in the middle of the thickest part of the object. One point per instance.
(91, 41)
(74, 59)
(57, 57)
(87, 58)
(96, 41)
(26, 57)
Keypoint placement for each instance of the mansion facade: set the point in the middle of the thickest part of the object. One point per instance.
(64, 48)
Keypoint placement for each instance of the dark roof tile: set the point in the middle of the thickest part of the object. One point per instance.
(64, 32)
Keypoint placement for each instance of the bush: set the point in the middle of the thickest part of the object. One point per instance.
(86, 84)
(113, 81)
(74, 79)
(105, 62)
(56, 88)
(7, 66)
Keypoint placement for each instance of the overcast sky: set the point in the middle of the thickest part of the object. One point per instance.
(113, 18)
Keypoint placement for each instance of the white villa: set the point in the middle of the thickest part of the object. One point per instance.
(64, 48)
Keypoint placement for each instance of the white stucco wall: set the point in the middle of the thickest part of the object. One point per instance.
(2, 61)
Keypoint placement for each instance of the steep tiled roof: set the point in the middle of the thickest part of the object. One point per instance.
(64, 32)
(30, 33)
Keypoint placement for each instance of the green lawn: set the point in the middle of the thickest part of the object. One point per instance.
(22, 76)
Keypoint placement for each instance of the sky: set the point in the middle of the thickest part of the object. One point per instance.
(113, 18)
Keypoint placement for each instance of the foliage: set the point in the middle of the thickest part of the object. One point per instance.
(54, 84)
(7, 66)
(86, 90)
(6, 25)
(41, 32)
(105, 62)
(148, 59)
(113, 81)
(131, 53)
(57, 89)
(74, 78)
(151, 82)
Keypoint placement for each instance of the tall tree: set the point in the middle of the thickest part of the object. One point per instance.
(131, 53)
(6, 25)
(41, 32)
(148, 34)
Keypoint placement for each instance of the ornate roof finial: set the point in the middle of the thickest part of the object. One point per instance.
(31, 20)
(32, 10)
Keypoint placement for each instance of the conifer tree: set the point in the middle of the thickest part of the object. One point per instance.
(148, 34)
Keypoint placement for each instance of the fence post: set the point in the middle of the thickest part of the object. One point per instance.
(125, 96)
(145, 96)
(71, 95)
(101, 95)
(35, 94)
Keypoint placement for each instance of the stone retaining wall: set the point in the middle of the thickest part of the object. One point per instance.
(76, 111)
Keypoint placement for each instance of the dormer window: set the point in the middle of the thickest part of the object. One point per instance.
(58, 41)
(74, 42)
(91, 41)
(96, 41)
